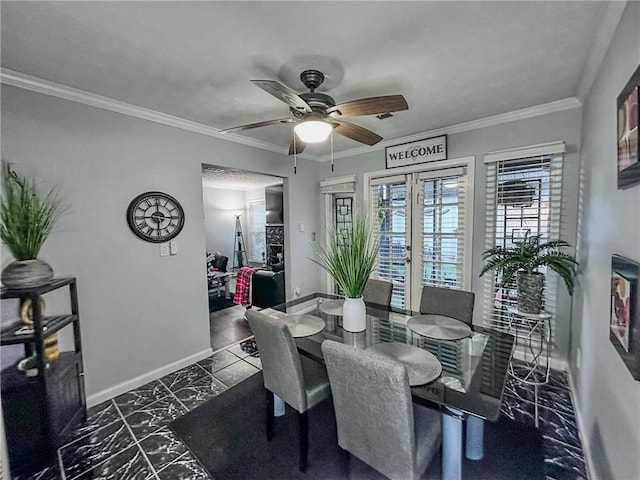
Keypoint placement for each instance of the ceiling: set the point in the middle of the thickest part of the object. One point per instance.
(453, 61)
(233, 179)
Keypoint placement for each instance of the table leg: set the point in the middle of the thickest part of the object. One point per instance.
(452, 444)
(226, 288)
(474, 448)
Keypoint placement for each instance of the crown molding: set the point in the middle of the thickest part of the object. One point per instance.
(530, 112)
(601, 41)
(46, 87)
(35, 84)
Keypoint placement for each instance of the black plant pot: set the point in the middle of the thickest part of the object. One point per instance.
(26, 274)
(530, 291)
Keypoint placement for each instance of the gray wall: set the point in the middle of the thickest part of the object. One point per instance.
(139, 311)
(220, 208)
(608, 398)
(563, 125)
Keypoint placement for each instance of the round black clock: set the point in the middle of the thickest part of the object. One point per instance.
(155, 217)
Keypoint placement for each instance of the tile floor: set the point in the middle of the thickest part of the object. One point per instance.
(127, 438)
(228, 326)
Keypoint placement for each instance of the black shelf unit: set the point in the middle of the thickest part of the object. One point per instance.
(40, 411)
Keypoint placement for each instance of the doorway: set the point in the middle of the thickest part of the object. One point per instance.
(237, 228)
(425, 227)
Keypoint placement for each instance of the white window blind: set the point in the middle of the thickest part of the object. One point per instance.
(442, 199)
(524, 198)
(345, 184)
(257, 219)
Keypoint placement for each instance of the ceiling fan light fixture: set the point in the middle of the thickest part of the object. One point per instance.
(312, 131)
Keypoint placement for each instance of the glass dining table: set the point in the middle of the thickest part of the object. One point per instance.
(468, 390)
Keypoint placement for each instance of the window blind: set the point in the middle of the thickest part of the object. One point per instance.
(442, 199)
(523, 198)
(344, 184)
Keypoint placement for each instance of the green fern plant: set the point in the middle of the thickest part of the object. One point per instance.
(527, 256)
(26, 215)
(351, 257)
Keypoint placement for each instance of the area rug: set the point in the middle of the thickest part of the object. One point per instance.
(218, 303)
(227, 436)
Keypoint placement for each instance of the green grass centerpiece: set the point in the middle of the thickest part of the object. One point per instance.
(350, 257)
(27, 217)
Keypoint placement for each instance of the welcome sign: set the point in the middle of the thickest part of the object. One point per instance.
(421, 151)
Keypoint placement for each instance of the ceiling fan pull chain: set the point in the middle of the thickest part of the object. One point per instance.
(332, 149)
(295, 156)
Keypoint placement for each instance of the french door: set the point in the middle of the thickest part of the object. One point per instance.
(424, 234)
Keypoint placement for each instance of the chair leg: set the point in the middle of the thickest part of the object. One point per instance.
(304, 440)
(345, 457)
(269, 404)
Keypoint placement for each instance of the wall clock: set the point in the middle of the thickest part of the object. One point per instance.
(155, 217)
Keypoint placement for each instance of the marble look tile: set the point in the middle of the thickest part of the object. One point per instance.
(129, 464)
(557, 425)
(255, 361)
(548, 396)
(185, 468)
(562, 461)
(150, 418)
(97, 416)
(162, 447)
(237, 351)
(218, 361)
(136, 399)
(195, 394)
(235, 373)
(92, 449)
(49, 473)
(185, 377)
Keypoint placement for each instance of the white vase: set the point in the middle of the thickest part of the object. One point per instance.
(354, 315)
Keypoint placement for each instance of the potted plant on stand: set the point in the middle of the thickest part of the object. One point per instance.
(523, 260)
(27, 217)
(350, 257)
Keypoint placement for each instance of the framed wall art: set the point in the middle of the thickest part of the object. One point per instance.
(628, 120)
(624, 323)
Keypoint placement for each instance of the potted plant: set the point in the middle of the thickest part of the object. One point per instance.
(27, 217)
(523, 260)
(350, 257)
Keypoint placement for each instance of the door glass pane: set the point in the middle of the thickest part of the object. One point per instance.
(442, 235)
(390, 202)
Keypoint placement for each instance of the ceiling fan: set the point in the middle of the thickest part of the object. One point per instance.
(315, 110)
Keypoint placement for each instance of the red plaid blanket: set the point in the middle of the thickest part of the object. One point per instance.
(243, 285)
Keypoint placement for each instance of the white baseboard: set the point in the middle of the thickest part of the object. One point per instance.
(140, 380)
(584, 439)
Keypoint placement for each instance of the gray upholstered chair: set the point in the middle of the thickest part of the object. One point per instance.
(376, 418)
(452, 303)
(378, 292)
(299, 381)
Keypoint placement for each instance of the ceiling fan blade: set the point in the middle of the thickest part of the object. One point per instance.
(258, 124)
(357, 133)
(369, 106)
(300, 145)
(283, 93)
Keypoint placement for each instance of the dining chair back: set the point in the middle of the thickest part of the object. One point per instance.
(378, 292)
(452, 303)
(299, 381)
(376, 418)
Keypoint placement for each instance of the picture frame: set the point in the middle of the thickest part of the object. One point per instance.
(628, 114)
(624, 322)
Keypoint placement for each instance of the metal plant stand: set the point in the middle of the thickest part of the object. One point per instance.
(239, 254)
(532, 340)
